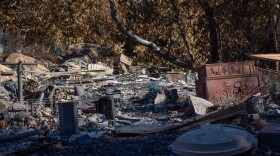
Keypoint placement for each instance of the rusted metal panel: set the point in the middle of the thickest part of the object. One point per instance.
(226, 69)
(175, 76)
(227, 82)
(227, 90)
(269, 80)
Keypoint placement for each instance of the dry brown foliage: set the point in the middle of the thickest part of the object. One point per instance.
(241, 25)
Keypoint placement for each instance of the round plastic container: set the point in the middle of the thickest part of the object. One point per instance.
(216, 139)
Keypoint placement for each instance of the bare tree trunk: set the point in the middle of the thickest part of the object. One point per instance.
(274, 25)
(214, 43)
(182, 29)
(156, 49)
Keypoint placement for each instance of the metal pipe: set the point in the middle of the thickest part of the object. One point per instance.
(19, 76)
(20, 88)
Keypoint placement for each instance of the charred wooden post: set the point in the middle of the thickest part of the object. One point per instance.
(68, 119)
(106, 106)
(20, 87)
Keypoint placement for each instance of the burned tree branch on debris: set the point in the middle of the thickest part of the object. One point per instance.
(158, 50)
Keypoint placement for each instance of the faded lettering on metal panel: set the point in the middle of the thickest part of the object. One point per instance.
(227, 69)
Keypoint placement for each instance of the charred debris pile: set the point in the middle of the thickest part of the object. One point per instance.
(47, 108)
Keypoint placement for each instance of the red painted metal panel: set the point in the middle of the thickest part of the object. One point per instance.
(223, 83)
(226, 69)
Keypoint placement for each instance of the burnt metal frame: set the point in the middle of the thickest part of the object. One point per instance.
(19, 77)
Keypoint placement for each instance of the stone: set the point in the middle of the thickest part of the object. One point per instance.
(85, 51)
(16, 57)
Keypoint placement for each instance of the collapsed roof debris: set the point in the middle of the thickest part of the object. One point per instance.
(81, 104)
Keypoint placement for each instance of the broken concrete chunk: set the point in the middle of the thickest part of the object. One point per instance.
(200, 105)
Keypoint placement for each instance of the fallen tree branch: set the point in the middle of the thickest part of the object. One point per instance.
(156, 49)
(131, 130)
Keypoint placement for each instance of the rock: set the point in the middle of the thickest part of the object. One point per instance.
(200, 105)
(16, 57)
(160, 98)
(85, 52)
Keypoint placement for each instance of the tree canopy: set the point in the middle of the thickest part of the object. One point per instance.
(198, 30)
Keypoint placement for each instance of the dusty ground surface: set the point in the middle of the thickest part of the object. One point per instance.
(135, 107)
(153, 144)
